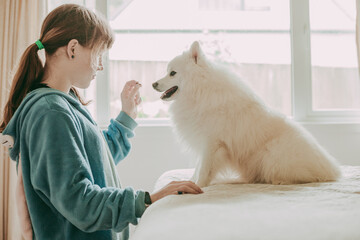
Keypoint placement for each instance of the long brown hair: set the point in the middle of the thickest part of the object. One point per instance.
(64, 23)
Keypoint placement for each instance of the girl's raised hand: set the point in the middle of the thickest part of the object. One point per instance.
(130, 98)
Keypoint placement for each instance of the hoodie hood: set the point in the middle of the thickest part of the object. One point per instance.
(10, 137)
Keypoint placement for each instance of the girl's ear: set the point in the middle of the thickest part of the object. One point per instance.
(71, 48)
(196, 52)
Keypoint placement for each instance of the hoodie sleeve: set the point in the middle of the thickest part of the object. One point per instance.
(118, 134)
(61, 175)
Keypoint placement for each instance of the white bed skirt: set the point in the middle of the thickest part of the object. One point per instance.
(256, 211)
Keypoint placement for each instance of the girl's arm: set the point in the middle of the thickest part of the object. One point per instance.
(121, 129)
(118, 134)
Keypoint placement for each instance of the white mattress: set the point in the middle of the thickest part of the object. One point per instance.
(256, 211)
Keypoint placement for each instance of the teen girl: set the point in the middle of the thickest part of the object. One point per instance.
(66, 164)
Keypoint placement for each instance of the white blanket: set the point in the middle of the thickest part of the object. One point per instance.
(256, 211)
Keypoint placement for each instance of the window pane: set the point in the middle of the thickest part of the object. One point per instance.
(251, 36)
(335, 79)
(55, 3)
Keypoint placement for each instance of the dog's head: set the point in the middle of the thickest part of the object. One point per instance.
(176, 72)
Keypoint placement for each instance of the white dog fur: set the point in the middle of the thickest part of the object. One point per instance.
(219, 118)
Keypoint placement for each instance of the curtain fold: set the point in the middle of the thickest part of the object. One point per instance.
(20, 24)
(358, 32)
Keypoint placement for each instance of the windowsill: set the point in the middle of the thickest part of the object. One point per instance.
(351, 124)
(154, 122)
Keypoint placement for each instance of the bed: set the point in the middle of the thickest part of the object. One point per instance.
(326, 211)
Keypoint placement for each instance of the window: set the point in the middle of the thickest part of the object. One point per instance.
(254, 41)
(335, 80)
(307, 74)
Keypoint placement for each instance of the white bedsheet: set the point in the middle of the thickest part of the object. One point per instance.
(256, 211)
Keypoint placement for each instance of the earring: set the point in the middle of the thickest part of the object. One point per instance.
(72, 56)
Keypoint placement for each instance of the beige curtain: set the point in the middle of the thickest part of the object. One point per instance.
(20, 24)
(358, 32)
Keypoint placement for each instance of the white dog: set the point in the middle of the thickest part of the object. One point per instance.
(222, 120)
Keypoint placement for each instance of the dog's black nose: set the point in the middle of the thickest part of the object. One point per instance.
(155, 84)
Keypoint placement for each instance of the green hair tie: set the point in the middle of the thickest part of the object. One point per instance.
(39, 44)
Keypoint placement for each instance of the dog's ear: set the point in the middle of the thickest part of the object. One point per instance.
(195, 51)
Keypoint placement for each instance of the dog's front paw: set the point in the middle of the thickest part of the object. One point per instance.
(203, 183)
(197, 181)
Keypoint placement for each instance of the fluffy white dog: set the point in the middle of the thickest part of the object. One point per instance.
(223, 122)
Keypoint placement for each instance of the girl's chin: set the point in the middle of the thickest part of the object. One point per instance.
(83, 85)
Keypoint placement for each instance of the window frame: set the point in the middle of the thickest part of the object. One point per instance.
(102, 88)
(301, 76)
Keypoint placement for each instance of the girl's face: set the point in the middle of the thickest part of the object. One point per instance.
(85, 67)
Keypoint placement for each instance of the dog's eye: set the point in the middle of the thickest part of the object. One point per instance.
(172, 73)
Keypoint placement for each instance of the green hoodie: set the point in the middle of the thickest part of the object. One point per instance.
(62, 157)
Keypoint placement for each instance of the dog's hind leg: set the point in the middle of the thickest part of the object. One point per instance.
(213, 160)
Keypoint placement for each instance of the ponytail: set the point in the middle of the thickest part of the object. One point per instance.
(30, 72)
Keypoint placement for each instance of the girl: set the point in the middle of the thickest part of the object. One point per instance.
(65, 163)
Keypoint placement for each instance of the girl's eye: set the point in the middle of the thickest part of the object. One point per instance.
(172, 73)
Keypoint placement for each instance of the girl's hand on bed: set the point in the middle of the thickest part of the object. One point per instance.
(174, 188)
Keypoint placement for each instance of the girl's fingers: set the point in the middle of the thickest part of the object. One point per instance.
(130, 89)
(188, 187)
(137, 100)
(195, 187)
(134, 90)
(131, 83)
